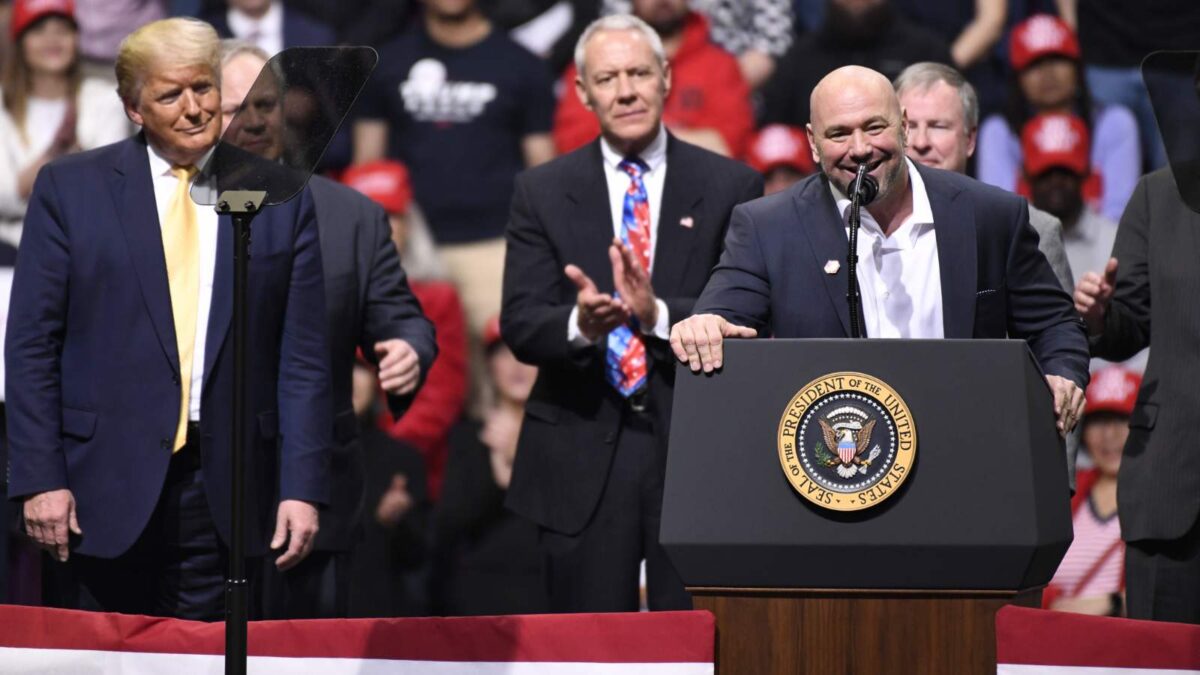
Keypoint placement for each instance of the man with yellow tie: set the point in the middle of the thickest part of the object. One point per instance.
(119, 354)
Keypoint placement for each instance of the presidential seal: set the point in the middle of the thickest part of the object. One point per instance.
(847, 441)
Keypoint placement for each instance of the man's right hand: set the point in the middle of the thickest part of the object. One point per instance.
(599, 313)
(1093, 293)
(697, 340)
(48, 518)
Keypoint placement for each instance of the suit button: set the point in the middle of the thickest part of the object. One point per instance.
(174, 379)
(610, 437)
(165, 444)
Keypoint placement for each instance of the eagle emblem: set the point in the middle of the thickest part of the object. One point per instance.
(848, 434)
(846, 441)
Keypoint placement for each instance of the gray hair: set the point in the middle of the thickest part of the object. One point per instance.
(922, 76)
(231, 48)
(620, 22)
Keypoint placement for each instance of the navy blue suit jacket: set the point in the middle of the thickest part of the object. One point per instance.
(93, 377)
(995, 282)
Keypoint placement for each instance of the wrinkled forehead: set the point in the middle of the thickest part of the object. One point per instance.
(617, 50)
(936, 101)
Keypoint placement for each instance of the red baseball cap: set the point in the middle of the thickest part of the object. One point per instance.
(27, 12)
(1055, 140)
(491, 332)
(1112, 389)
(384, 180)
(780, 145)
(1041, 35)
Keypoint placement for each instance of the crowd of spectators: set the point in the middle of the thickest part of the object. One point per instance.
(468, 93)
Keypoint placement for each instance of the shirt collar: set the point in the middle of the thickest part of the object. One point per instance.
(655, 154)
(160, 166)
(922, 212)
(271, 23)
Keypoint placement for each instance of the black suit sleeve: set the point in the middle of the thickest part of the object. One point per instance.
(681, 308)
(739, 288)
(533, 317)
(1127, 323)
(390, 310)
(1040, 311)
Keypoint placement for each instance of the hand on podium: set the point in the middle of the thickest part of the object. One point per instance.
(1068, 402)
(697, 340)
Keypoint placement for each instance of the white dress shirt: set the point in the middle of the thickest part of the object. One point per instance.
(206, 218)
(899, 276)
(265, 32)
(653, 178)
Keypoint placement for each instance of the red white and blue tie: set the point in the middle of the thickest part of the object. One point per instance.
(627, 367)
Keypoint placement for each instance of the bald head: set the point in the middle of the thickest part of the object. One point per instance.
(852, 85)
(856, 119)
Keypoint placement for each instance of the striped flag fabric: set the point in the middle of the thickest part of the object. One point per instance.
(38, 640)
(1030, 641)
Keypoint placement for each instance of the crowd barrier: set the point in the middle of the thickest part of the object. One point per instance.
(1032, 641)
(36, 640)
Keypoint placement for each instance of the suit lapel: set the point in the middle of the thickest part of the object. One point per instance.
(591, 222)
(954, 223)
(133, 191)
(683, 191)
(817, 216)
(220, 311)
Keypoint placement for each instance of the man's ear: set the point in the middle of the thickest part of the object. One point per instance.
(581, 92)
(666, 80)
(972, 136)
(133, 115)
(812, 145)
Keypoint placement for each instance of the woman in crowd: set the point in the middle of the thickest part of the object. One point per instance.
(1048, 77)
(1090, 579)
(49, 109)
(486, 559)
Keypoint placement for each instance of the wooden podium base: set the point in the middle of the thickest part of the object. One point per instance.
(857, 632)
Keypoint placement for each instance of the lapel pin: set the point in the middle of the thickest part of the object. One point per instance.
(832, 267)
(687, 221)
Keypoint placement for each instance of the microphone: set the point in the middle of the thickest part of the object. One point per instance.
(864, 186)
(862, 191)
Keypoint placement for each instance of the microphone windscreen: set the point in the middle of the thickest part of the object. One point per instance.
(867, 190)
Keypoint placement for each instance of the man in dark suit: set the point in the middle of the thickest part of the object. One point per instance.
(941, 255)
(605, 246)
(119, 362)
(370, 307)
(1151, 283)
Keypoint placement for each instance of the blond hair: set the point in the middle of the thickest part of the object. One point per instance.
(170, 42)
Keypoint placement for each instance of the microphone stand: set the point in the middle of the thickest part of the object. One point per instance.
(852, 294)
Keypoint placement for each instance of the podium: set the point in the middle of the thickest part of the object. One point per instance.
(909, 584)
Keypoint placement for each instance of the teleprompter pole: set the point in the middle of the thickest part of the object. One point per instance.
(242, 206)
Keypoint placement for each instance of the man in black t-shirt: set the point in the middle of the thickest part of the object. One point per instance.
(466, 109)
(869, 33)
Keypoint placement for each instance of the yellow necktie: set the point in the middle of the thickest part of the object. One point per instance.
(181, 244)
